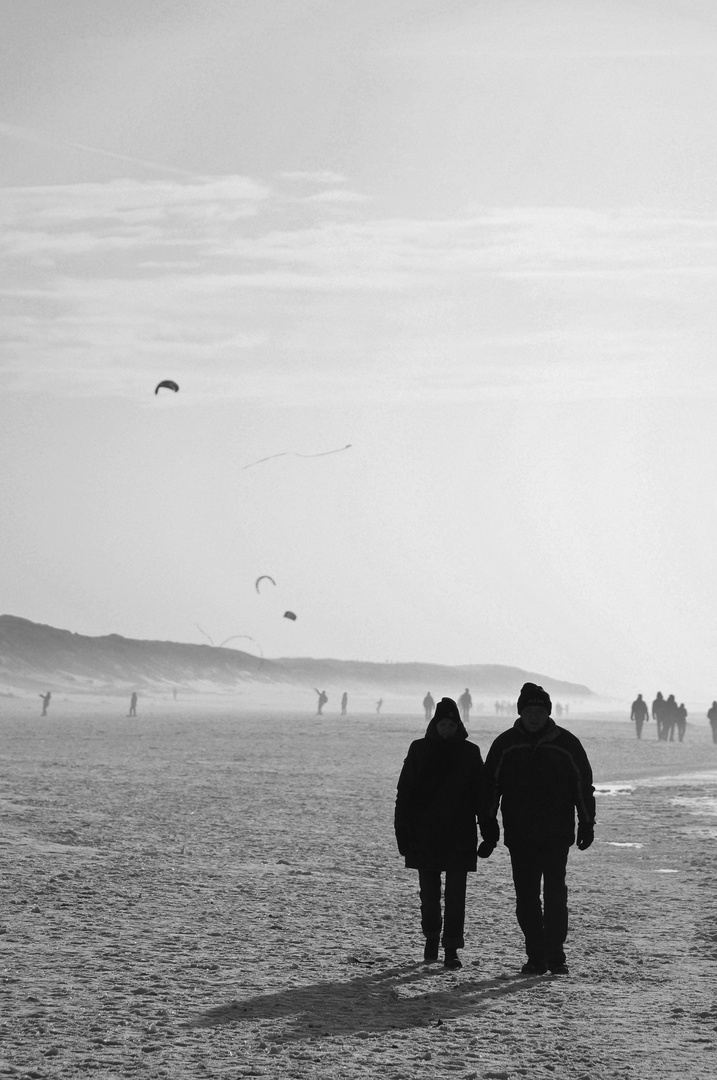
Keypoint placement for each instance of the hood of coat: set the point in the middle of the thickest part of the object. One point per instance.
(432, 730)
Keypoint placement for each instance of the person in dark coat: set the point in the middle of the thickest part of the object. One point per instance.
(539, 775)
(435, 821)
(712, 717)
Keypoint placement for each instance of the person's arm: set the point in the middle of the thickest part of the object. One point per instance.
(584, 797)
(488, 804)
(405, 796)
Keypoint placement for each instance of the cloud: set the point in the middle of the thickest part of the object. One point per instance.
(218, 274)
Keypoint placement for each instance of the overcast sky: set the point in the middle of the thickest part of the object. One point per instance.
(476, 240)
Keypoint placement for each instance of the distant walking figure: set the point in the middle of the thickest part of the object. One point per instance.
(669, 723)
(539, 775)
(465, 702)
(45, 702)
(428, 705)
(133, 705)
(658, 713)
(712, 717)
(435, 821)
(379, 703)
(321, 702)
(640, 714)
(681, 721)
(344, 703)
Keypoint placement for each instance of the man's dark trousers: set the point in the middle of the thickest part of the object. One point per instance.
(545, 927)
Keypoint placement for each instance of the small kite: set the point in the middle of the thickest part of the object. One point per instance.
(248, 638)
(169, 384)
(226, 641)
(264, 577)
(290, 615)
(294, 453)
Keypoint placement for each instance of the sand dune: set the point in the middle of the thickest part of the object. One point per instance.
(220, 895)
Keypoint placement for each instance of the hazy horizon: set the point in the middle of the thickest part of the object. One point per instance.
(479, 245)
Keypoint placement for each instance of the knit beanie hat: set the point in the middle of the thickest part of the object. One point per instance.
(446, 709)
(531, 694)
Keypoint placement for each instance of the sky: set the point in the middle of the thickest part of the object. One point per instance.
(474, 241)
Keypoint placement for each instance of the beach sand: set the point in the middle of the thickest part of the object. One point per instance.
(208, 894)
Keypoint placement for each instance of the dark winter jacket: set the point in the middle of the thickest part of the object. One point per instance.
(438, 801)
(539, 781)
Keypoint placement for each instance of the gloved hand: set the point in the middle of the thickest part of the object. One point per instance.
(586, 835)
(486, 849)
(490, 831)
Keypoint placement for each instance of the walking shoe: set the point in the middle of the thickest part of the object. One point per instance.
(430, 952)
(533, 969)
(451, 960)
(559, 969)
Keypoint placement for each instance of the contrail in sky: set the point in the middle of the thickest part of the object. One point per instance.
(44, 138)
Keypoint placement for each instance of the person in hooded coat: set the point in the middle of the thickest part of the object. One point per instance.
(437, 806)
(540, 777)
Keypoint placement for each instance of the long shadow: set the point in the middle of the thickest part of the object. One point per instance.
(398, 998)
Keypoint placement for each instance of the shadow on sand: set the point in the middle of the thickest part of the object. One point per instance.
(400, 997)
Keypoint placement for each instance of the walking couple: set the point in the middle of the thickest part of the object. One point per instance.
(539, 775)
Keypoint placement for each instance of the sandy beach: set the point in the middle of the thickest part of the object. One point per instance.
(208, 894)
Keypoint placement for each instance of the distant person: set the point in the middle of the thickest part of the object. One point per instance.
(379, 703)
(437, 805)
(658, 713)
(344, 703)
(559, 710)
(640, 714)
(133, 705)
(45, 698)
(539, 775)
(428, 705)
(712, 717)
(669, 724)
(465, 701)
(681, 721)
(321, 702)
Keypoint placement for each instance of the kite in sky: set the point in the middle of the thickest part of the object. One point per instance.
(227, 640)
(290, 615)
(264, 577)
(293, 453)
(170, 384)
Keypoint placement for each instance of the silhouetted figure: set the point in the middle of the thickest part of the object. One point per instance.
(539, 775)
(344, 703)
(321, 702)
(435, 821)
(133, 705)
(640, 714)
(669, 723)
(681, 721)
(712, 717)
(559, 710)
(45, 702)
(428, 705)
(379, 703)
(658, 713)
(465, 702)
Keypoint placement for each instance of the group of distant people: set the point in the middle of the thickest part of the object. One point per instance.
(323, 698)
(670, 718)
(506, 708)
(539, 776)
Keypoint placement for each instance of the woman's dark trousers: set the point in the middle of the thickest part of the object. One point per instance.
(454, 904)
(545, 927)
